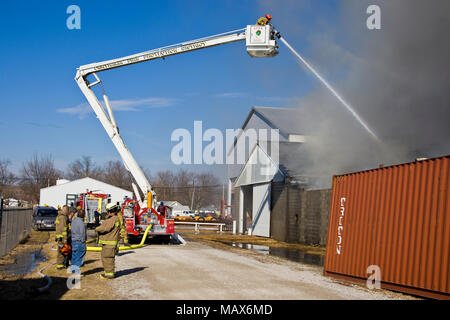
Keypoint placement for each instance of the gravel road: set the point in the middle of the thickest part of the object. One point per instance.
(200, 271)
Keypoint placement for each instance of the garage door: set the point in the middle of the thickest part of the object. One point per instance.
(261, 210)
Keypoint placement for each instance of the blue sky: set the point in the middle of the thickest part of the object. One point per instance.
(39, 98)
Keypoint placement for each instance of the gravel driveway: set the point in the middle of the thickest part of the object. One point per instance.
(200, 271)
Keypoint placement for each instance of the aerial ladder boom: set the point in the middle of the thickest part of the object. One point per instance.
(260, 41)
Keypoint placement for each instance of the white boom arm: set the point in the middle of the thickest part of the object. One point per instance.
(260, 43)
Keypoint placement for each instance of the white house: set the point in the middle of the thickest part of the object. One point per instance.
(176, 206)
(267, 159)
(57, 195)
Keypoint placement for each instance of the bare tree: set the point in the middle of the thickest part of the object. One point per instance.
(37, 173)
(185, 181)
(196, 190)
(6, 176)
(204, 196)
(81, 168)
(164, 185)
(114, 173)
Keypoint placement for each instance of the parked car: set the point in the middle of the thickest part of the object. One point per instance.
(184, 213)
(44, 218)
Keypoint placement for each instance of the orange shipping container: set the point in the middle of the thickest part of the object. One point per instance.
(396, 218)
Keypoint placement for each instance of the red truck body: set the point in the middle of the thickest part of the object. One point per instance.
(91, 202)
(137, 220)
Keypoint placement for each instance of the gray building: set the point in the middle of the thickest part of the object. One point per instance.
(268, 182)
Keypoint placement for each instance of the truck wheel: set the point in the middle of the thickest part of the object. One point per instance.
(166, 240)
(132, 239)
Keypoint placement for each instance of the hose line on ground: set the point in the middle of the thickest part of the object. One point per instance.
(136, 246)
(49, 280)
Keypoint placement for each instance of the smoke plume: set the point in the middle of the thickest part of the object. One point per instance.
(396, 78)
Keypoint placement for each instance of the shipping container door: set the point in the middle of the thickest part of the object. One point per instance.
(261, 210)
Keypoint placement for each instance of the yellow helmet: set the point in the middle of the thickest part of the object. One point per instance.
(111, 207)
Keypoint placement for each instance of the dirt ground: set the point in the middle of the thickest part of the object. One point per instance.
(22, 287)
(204, 268)
(214, 238)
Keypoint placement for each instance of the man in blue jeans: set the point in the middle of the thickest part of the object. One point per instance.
(78, 231)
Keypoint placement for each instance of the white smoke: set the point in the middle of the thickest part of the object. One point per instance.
(396, 78)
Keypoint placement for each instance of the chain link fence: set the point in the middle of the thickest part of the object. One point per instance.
(15, 226)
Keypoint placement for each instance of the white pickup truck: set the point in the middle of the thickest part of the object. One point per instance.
(184, 213)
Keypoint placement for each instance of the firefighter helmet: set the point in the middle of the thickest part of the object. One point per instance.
(111, 207)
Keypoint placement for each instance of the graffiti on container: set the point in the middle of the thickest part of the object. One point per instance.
(374, 279)
(340, 227)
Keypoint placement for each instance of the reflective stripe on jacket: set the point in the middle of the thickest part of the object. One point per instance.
(61, 226)
(112, 243)
(109, 231)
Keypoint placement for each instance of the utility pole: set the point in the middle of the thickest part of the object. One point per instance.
(192, 199)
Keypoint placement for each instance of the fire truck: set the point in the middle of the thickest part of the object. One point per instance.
(90, 202)
(137, 219)
(140, 212)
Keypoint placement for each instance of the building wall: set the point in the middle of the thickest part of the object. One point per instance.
(255, 122)
(235, 204)
(56, 195)
(278, 219)
(315, 206)
(299, 216)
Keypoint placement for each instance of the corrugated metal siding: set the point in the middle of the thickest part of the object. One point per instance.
(397, 218)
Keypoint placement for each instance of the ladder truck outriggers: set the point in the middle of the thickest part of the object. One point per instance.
(140, 212)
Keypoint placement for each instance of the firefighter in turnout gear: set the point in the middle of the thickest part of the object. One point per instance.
(264, 20)
(61, 237)
(109, 235)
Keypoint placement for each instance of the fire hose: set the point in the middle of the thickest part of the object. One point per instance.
(47, 278)
(136, 246)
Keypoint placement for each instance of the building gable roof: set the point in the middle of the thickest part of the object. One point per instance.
(286, 120)
(259, 168)
(86, 180)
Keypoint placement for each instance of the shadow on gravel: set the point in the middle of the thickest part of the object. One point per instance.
(88, 262)
(128, 271)
(125, 253)
(92, 271)
(26, 289)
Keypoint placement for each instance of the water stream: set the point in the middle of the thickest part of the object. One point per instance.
(337, 95)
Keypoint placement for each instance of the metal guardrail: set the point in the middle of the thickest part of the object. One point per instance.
(219, 226)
